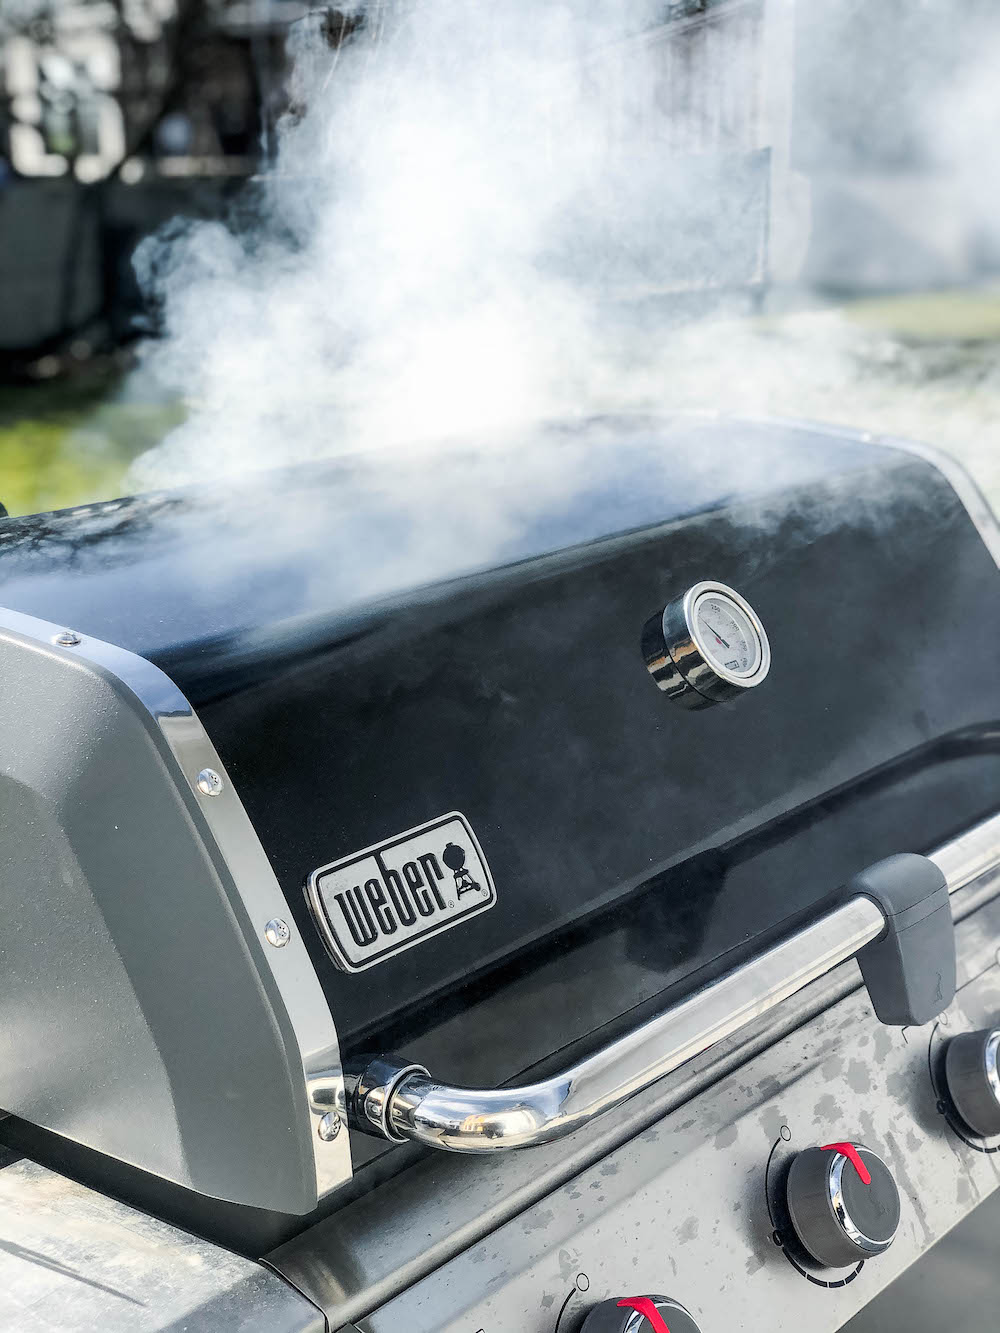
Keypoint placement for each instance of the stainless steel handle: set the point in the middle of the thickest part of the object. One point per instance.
(973, 853)
(401, 1101)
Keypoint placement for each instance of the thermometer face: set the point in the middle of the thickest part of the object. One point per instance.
(706, 646)
(726, 635)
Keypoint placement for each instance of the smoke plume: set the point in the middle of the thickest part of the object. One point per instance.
(483, 215)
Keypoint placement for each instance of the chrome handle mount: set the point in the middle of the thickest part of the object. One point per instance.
(397, 1100)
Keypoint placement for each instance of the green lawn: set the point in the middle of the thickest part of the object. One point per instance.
(924, 366)
(962, 316)
(70, 441)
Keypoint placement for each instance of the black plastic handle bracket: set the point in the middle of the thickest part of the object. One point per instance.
(910, 969)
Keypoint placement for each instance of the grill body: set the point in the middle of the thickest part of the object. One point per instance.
(362, 657)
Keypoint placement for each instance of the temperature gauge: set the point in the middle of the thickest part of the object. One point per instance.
(706, 646)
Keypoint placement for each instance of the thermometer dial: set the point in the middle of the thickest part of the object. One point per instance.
(726, 634)
(706, 646)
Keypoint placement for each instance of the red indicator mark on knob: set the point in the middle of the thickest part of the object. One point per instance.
(646, 1308)
(852, 1155)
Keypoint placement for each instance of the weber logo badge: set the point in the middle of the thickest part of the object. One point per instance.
(376, 903)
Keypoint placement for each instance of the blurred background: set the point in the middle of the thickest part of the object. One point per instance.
(849, 146)
(116, 116)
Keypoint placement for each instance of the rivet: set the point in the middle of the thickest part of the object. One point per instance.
(276, 932)
(209, 783)
(67, 638)
(329, 1126)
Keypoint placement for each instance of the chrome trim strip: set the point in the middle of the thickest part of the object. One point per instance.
(227, 831)
(469, 1120)
(970, 855)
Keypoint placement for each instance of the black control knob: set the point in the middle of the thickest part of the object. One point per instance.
(843, 1203)
(639, 1314)
(970, 1070)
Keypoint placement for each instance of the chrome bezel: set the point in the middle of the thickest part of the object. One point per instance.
(991, 1060)
(835, 1184)
(679, 663)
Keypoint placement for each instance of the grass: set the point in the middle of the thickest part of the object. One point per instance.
(70, 441)
(925, 365)
(961, 316)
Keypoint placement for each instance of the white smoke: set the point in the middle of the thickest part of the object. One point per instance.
(484, 214)
(419, 274)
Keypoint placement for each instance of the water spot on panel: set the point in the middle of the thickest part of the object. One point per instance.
(898, 1086)
(858, 1078)
(537, 1220)
(827, 1109)
(883, 1043)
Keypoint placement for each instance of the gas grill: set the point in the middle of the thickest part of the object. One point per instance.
(550, 886)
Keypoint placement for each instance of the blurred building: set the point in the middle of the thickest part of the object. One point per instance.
(893, 126)
(832, 145)
(115, 115)
(814, 142)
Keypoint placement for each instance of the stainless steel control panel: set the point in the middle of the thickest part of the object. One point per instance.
(694, 1207)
